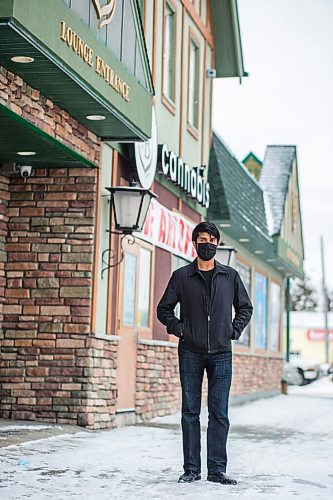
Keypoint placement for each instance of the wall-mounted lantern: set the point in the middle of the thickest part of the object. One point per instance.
(129, 206)
(226, 255)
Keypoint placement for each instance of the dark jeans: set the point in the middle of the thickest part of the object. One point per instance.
(219, 372)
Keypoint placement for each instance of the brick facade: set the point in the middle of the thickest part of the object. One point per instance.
(256, 374)
(49, 365)
(157, 381)
(158, 386)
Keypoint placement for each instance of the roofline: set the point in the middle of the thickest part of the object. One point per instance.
(299, 204)
(278, 232)
(242, 166)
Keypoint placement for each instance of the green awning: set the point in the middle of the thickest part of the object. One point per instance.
(18, 134)
(228, 46)
(38, 29)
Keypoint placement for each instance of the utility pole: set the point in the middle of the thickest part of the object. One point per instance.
(325, 296)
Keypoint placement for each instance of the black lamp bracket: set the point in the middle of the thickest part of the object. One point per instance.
(112, 254)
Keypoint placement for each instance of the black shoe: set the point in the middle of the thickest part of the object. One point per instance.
(189, 477)
(221, 477)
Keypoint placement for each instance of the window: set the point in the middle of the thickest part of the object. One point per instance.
(169, 62)
(129, 38)
(260, 311)
(193, 85)
(129, 289)
(144, 288)
(245, 274)
(274, 320)
(176, 263)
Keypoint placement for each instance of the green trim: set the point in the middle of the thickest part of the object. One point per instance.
(65, 68)
(7, 8)
(281, 249)
(252, 156)
(48, 138)
(228, 45)
(171, 91)
(118, 146)
(143, 47)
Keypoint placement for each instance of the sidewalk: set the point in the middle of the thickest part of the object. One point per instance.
(278, 447)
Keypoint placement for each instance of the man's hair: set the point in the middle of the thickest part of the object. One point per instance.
(206, 227)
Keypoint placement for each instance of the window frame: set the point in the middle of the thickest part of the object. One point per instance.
(193, 129)
(167, 100)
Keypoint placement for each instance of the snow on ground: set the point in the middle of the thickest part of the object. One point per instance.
(278, 447)
(320, 388)
(32, 427)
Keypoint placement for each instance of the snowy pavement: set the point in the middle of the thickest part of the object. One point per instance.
(279, 447)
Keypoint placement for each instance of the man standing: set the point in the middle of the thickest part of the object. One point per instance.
(206, 291)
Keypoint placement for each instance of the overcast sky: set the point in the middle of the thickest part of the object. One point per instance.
(287, 99)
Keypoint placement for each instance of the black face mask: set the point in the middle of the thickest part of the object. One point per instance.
(206, 251)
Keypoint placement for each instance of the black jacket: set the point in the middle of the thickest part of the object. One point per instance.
(205, 323)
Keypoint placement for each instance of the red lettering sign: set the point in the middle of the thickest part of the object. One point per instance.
(319, 334)
(168, 230)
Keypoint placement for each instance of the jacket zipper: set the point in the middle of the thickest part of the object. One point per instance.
(210, 308)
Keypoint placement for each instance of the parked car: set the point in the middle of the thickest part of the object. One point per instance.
(326, 368)
(301, 371)
(291, 374)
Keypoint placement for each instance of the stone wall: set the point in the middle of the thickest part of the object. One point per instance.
(51, 370)
(100, 385)
(255, 374)
(47, 309)
(49, 365)
(158, 390)
(157, 382)
(158, 387)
